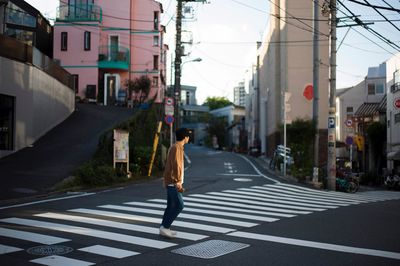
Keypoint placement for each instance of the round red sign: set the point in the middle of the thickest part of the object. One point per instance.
(396, 103)
(308, 92)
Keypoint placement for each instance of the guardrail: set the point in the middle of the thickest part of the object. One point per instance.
(13, 49)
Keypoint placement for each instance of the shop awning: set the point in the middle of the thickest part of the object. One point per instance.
(393, 155)
(367, 109)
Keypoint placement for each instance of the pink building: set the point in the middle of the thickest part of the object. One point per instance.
(106, 43)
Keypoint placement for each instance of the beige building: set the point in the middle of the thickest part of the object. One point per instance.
(285, 59)
(393, 113)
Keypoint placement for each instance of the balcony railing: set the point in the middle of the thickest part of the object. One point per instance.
(90, 12)
(113, 56)
(395, 87)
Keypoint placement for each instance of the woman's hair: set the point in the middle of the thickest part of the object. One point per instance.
(181, 133)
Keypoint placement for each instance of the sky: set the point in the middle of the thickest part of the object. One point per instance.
(225, 33)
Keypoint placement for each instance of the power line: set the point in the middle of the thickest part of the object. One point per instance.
(382, 15)
(378, 7)
(302, 22)
(359, 22)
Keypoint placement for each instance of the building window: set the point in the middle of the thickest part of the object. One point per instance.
(155, 41)
(7, 122)
(21, 35)
(154, 82)
(64, 41)
(371, 89)
(349, 109)
(87, 41)
(376, 88)
(18, 16)
(155, 62)
(156, 20)
(397, 118)
(379, 88)
(76, 82)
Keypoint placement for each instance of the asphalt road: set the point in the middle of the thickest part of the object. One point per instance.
(235, 214)
(34, 171)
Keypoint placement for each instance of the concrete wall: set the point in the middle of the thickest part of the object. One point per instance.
(41, 102)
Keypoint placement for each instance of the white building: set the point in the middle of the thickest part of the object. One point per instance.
(239, 94)
(393, 113)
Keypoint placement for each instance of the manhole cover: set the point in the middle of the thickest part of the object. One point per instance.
(243, 179)
(48, 250)
(210, 249)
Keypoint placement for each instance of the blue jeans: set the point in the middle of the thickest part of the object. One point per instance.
(174, 206)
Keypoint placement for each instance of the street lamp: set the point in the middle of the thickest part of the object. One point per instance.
(178, 90)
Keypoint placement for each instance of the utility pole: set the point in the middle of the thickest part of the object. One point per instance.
(332, 102)
(315, 89)
(178, 61)
(178, 58)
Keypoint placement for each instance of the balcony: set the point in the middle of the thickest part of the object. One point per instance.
(114, 57)
(74, 13)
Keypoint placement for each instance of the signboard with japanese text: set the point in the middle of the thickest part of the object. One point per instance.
(121, 147)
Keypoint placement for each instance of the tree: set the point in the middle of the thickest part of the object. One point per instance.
(216, 102)
(141, 87)
(217, 127)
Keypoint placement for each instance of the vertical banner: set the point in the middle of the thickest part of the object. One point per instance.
(121, 148)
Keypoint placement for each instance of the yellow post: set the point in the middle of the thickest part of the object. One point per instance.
(155, 143)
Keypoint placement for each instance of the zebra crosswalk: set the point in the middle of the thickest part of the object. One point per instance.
(134, 224)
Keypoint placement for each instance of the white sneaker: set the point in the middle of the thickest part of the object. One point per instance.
(167, 232)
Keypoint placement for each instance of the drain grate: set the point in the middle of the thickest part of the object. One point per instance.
(210, 249)
(48, 250)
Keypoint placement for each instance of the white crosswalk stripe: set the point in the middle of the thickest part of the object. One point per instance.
(32, 237)
(90, 232)
(107, 223)
(157, 221)
(184, 215)
(4, 249)
(60, 260)
(222, 212)
(109, 251)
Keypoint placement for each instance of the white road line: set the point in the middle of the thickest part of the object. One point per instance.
(240, 175)
(267, 198)
(258, 171)
(8, 249)
(297, 196)
(32, 237)
(231, 197)
(125, 226)
(48, 200)
(184, 215)
(109, 251)
(318, 245)
(225, 208)
(283, 191)
(260, 193)
(91, 232)
(197, 210)
(245, 206)
(60, 261)
(197, 226)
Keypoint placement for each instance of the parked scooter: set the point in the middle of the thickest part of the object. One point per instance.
(392, 182)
